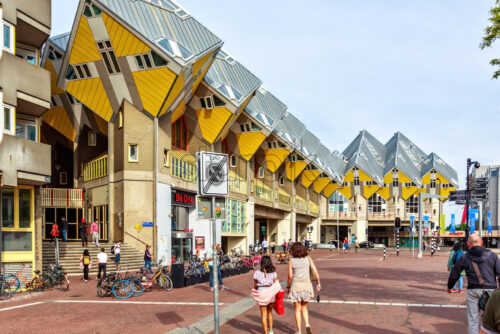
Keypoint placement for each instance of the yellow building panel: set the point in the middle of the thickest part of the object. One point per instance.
(275, 157)
(368, 191)
(293, 169)
(102, 125)
(84, 49)
(363, 176)
(246, 102)
(92, 94)
(402, 178)
(124, 43)
(418, 191)
(330, 189)
(426, 179)
(212, 121)
(320, 184)
(384, 192)
(173, 94)
(249, 143)
(346, 191)
(441, 178)
(445, 192)
(406, 192)
(349, 177)
(153, 86)
(197, 66)
(58, 119)
(388, 178)
(308, 177)
(178, 112)
(54, 89)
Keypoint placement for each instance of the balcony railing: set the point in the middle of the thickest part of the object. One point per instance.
(95, 169)
(237, 184)
(376, 215)
(263, 191)
(313, 207)
(183, 165)
(300, 203)
(62, 198)
(284, 198)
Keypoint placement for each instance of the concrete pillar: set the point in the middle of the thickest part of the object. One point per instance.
(37, 247)
(250, 224)
(76, 167)
(358, 228)
(112, 213)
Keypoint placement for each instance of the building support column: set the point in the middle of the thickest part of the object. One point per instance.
(112, 214)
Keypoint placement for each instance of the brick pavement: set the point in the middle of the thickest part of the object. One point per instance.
(345, 277)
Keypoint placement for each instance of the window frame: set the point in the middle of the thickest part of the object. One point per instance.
(233, 163)
(281, 181)
(137, 152)
(16, 227)
(11, 48)
(89, 143)
(109, 57)
(260, 173)
(23, 51)
(25, 122)
(12, 112)
(61, 174)
(184, 137)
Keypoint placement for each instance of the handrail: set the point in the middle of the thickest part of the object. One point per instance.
(136, 238)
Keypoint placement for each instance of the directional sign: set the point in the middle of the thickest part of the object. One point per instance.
(212, 174)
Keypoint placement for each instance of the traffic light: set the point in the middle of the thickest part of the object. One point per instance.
(397, 223)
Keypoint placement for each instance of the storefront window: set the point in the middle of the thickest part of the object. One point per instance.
(16, 242)
(7, 209)
(236, 217)
(24, 208)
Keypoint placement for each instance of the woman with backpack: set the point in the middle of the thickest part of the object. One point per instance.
(85, 264)
(455, 254)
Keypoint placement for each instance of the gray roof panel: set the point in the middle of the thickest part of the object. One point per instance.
(266, 108)
(290, 129)
(336, 162)
(61, 41)
(433, 161)
(308, 144)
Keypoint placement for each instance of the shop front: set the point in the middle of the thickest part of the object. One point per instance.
(183, 204)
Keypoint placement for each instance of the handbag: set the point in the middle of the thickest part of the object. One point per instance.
(313, 276)
(483, 300)
(278, 303)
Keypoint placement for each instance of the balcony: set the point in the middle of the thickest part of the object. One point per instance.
(380, 216)
(183, 165)
(95, 169)
(300, 203)
(313, 207)
(24, 161)
(284, 198)
(237, 184)
(62, 198)
(263, 191)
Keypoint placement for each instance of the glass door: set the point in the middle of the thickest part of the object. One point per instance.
(182, 249)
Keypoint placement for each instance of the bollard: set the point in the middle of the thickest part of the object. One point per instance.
(433, 245)
(384, 254)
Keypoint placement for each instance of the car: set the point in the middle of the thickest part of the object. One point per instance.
(325, 246)
(366, 244)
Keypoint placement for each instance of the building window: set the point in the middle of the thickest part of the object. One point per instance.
(72, 99)
(206, 102)
(7, 206)
(356, 180)
(16, 218)
(108, 55)
(180, 134)
(272, 144)
(150, 60)
(249, 127)
(395, 181)
(63, 178)
(28, 54)
(433, 183)
(166, 160)
(53, 54)
(92, 138)
(91, 10)
(233, 161)
(120, 120)
(133, 153)
(376, 204)
(78, 72)
(26, 128)
(282, 181)
(261, 173)
(8, 37)
(8, 119)
(412, 204)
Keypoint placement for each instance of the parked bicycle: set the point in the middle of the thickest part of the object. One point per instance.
(121, 287)
(252, 261)
(158, 278)
(38, 283)
(195, 268)
(58, 278)
(4, 288)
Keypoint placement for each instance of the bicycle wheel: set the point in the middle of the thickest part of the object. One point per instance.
(103, 287)
(36, 284)
(137, 286)
(164, 282)
(4, 290)
(62, 282)
(13, 282)
(122, 289)
(47, 281)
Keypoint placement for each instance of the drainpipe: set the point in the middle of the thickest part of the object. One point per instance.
(155, 186)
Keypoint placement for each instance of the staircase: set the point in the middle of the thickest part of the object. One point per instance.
(70, 252)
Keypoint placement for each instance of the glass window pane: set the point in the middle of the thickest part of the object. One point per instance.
(157, 60)
(7, 207)
(139, 62)
(16, 241)
(31, 132)
(166, 45)
(87, 12)
(20, 131)
(6, 36)
(147, 61)
(24, 208)
(6, 118)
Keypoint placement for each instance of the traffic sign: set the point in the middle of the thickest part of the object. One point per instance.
(212, 174)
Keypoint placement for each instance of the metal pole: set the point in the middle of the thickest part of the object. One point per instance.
(480, 219)
(385, 256)
(338, 244)
(215, 270)
(467, 201)
(57, 250)
(397, 251)
(432, 244)
(419, 226)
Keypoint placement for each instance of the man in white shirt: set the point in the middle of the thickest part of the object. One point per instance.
(102, 259)
(209, 256)
(264, 245)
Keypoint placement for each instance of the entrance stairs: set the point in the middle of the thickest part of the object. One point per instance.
(70, 252)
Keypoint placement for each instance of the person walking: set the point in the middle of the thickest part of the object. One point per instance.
(210, 258)
(102, 260)
(64, 229)
(265, 287)
(346, 245)
(273, 246)
(299, 287)
(83, 229)
(284, 245)
(455, 254)
(264, 245)
(55, 232)
(288, 245)
(482, 268)
(94, 228)
(85, 264)
(117, 252)
(147, 260)
(356, 245)
(491, 315)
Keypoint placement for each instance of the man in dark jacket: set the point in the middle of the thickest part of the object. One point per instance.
(64, 228)
(82, 229)
(489, 268)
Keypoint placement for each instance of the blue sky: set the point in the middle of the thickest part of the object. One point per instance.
(380, 65)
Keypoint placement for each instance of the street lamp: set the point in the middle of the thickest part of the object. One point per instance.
(476, 165)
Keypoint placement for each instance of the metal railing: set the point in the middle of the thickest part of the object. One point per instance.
(237, 184)
(300, 203)
(313, 207)
(262, 191)
(62, 198)
(95, 169)
(183, 165)
(375, 215)
(284, 198)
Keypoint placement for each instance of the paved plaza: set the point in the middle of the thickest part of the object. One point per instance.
(362, 293)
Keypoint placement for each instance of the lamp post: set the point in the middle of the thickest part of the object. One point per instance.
(476, 165)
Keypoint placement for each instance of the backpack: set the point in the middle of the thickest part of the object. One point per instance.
(113, 249)
(457, 256)
(86, 260)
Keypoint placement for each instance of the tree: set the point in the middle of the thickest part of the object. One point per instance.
(492, 34)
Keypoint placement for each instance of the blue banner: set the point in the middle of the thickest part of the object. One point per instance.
(452, 225)
(472, 226)
(489, 221)
(473, 217)
(412, 224)
(426, 221)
